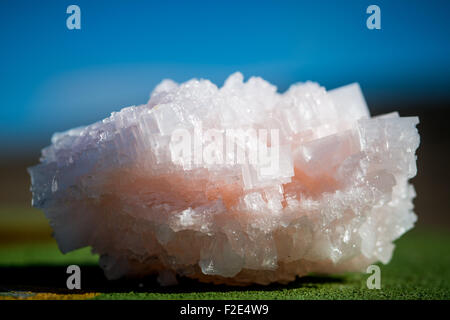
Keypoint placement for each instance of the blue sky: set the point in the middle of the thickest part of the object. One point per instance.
(53, 78)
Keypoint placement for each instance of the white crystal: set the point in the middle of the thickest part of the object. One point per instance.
(337, 200)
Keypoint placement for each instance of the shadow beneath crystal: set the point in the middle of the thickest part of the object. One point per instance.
(41, 278)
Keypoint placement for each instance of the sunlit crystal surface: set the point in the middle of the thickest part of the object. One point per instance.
(337, 200)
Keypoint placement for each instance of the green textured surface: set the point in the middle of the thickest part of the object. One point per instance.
(420, 269)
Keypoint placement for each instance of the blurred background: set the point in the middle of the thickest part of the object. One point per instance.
(53, 78)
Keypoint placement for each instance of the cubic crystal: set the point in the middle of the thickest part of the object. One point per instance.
(237, 185)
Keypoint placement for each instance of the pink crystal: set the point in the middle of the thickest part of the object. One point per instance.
(339, 197)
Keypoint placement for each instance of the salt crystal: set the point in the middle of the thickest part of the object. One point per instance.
(327, 193)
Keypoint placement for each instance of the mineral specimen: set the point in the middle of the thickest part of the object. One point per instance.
(191, 185)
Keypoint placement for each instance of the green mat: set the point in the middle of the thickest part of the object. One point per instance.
(420, 269)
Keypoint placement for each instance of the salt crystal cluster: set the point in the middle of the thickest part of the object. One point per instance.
(337, 199)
